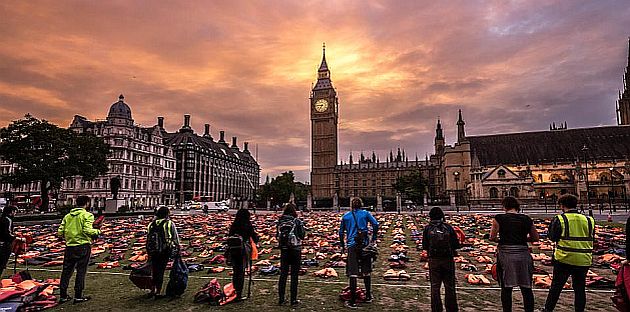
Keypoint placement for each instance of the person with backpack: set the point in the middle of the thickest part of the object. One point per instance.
(512, 230)
(78, 231)
(162, 245)
(7, 236)
(354, 227)
(574, 234)
(241, 234)
(440, 241)
(290, 234)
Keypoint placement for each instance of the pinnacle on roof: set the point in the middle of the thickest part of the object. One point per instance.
(323, 66)
(460, 119)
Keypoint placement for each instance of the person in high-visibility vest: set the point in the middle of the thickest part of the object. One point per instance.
(574, 234)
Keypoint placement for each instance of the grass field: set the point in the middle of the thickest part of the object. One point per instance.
(111, 290)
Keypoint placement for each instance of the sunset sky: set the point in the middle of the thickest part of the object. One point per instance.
(247, 67)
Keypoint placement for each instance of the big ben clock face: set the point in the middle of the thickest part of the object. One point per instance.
(321, 105)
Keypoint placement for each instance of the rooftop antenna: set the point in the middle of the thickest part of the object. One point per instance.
(256, 151)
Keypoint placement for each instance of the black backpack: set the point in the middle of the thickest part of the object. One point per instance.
(439, 237)
(156, 240)
(234, 248)
(286, 233)
(361, 236)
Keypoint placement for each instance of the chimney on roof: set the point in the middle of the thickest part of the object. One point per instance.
(246, 147)
(222, 137)
(186, 127)
(206, 132)
(234, 146)
(161, 122)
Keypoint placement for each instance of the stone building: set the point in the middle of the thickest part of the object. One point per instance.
(536, 166)
(139, 157)
(333, 184)
(157, 167)
(209, 168)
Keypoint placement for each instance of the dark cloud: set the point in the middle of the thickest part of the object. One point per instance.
(246, 67)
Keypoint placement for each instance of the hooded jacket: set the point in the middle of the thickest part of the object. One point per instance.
(76, 227)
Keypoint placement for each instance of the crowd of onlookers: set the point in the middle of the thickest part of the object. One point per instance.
(572, 232)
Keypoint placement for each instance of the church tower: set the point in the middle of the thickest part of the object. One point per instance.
(623, 103)
(461, 132)
(439, 139)
(324, 118)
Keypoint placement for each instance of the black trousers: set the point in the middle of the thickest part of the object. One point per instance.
(239, 265)
(75, 257)
(5, 254)
(158, 267)
(290, 260)
(442, 271)
(561, 273)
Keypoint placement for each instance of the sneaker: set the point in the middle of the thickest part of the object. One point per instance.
(368, 300)
(64, 299)
(351, 305)
(296, 302)
(81, 299)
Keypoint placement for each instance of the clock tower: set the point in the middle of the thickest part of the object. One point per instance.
(324, 117)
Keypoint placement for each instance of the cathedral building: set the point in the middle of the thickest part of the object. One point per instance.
(333, 184)
(536, 167)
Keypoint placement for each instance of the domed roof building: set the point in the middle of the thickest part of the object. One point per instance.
(120, 113)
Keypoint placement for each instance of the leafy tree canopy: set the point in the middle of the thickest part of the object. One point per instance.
(43, 152)
(412, 186)
(280, 188)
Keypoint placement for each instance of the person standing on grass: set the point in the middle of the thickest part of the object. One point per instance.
(574, 235)
(162, 245)
(77, 230)
(290, 233)
(354, 225)
(515, 266)
(440, 241)
(240, 258)
(6, 236)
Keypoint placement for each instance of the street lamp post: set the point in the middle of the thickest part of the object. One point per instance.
(611, 192)
(456, 174)
(588, 193)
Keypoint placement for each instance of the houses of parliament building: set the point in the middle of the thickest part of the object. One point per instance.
(536, 167)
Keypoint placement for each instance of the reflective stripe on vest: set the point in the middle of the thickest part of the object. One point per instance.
(575, 246)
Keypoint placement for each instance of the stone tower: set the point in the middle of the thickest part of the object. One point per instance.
(623, 103)
(324, 107)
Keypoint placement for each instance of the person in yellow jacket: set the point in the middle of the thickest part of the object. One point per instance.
(574, 234)
(77, 230)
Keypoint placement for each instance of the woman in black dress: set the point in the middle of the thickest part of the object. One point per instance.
(515, 267)
(242, 226)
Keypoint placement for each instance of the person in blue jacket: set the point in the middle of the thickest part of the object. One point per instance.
(354, 227)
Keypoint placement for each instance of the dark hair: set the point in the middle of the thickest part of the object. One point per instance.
(436, 213)
(568, 200)
(356, 203)
(241, 220)
(8, 210)
(82, 201)
(510, 202)
(162, 212)
(290, 210)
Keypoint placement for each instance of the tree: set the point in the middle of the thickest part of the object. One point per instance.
(412, 186)
(280, 188)
(45, 153)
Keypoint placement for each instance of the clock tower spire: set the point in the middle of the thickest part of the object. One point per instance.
(324, 119)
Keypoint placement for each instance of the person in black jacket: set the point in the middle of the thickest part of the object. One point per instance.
(290, 234)
(440, 242)
(6, 236)
(242, 226)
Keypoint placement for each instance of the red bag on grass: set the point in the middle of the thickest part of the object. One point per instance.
(621, 296)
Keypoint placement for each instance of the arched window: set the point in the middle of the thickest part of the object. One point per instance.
(604, 177)
(494, 192)
(501, 174)
(514, 191)
(555, 178)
